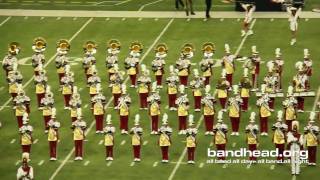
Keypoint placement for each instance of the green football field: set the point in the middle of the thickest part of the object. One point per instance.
(174, 32)
(122, 5)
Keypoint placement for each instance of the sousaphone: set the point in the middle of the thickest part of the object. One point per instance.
(208, 47)
(14, 48)
(63, 45)
(161, 48)
(90, 47)
(114, 44)
(187, 49)
(39, 44)
(136, 47)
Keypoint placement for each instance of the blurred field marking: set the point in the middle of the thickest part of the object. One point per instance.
(18, 162)
(173, 162)
(123, 19)
(122, 2)
(86, 105)
(143, 6)
(100, 142)
(182, 155)
(109, 163)
(225, 166)
(111, 99)
(80, 89)
(234, 144)
(12, 141)
(40, 163)
(211, 144)
(60, 2)
(316, 100)
(140, 19)
(28, 1)
(26, 17)
(201, 165)
(249, 165)
(42, 18)
(44, 1)
(155, 164)
(123, 142)
(58, 18)
(1, 88)
(245, 38)
(75, 2)
(75, 18)
(145, 143)
(51, 59)
(132, 164)
(35, 141)
(272, 167)
(4, 21)
(293, 177)
(102, 2)
(167, 107)
(86, 163)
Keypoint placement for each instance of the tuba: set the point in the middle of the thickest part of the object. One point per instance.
(14, 48)
(39, 44)
(161, 49)
(187, 49)
(114, 44)
(136, 47)
(208, 47)
(90, 47)
(63, 45)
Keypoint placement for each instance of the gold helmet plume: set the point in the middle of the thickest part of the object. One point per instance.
(136, 47)
(114, 44)
(14, 48)
(208, 47)
(39, 44)
(90, 47)
(161, 48)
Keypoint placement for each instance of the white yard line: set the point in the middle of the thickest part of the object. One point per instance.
(143, 6)
(173, 172)
(12, 141)
(316, 99)
(155, 164)
(123, 142)
(111, 99)
(40, 163)
(123, 2)
(51, 59)
(245, 38)
(4, 21)
(86, 163)
(109, 163)
(145, 143)
(100, 142)
(132, 163)
(36, 141)
(201, 165)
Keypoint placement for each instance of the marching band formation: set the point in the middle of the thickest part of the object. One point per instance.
(233, 98)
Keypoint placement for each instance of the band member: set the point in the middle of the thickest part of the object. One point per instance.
(144, 86)
(249, 9)
(311, 132)
(159, 62)
(26, 134)
(228, 63)
(93, 81)
(307, 63)
(184, 62)
(279, 135)
(113, 50)
(208, 110)
(40, 81)
(191, 142)
(116, 79)
(172, 82)
(252, 132)
(89, 48)
(39, 46)
(165, 138)
(154, 101)
(271, 80)
(179, 2)
(47, 103)
(98, 103)
(290, 105)
(10, 59)
(222, 88)
(63, 47)
(278, 66)
(132, 62)
(74, 103)
(182, 103)
(294, 14)
(53, 135)
(67, 86)
(14, 80)
(255, 70)
(196, 85)
(124, 109)
(245, 86)
(79, 126)
(234, 107)
(295, 143)
(264, 110)
(206, 64)
(189, 7)
(220, 135)
(300, 84)
(109, 131)
(136, 139)
(208, 8)
(20, 107)
(25, 172)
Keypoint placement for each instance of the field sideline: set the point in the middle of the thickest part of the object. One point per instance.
(269, 34)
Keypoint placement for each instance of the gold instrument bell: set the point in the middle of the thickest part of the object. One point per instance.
(161, 48)
(14, 48)
(208, 47)
(114, 44)
(63, 45)
(136, 47)
(187, 49)
(90, 47)
(39, 44)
